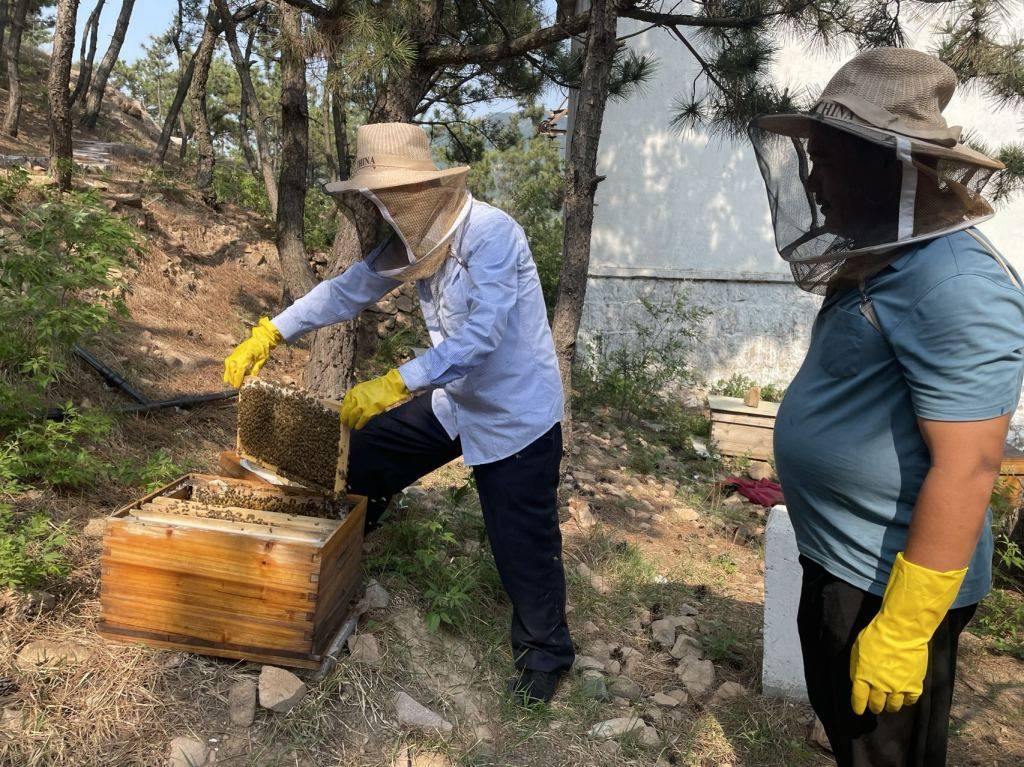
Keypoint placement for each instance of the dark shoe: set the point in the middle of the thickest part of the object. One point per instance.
(530, 686)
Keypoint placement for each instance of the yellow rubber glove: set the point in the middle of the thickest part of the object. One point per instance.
(890, 657)
(252, 354)
(364, 401)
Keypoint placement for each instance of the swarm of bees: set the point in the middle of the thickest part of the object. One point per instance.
(290, 431)
(217, 493)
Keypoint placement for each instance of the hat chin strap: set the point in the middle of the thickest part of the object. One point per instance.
(908, 190)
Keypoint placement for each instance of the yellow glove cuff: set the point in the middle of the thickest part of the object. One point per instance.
(919, 596)
(265, 331)
(396, 383)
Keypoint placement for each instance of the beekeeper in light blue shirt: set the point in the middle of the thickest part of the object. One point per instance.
(491, 387)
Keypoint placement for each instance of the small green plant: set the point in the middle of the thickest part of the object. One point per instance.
(58, 453)
(156, 470)
(391, 349)
(426, 552)
(1000, 617)
(233, 183)
(321, 220)
(12, 181)
(633, 377)
(737, 385)
(58, 286)
(30, 549)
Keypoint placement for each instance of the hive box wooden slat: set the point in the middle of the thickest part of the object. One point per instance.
(742, 431)
(273, 591)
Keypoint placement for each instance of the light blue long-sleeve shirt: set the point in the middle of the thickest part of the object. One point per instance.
(493, 360)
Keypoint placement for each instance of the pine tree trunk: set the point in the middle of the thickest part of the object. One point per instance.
(339, 121)
(5, 7)
(12, 53)
(197, 102)
(58, 82)
(332, 355)
(243, 120)
(98, 86)
(184, 83)
(245, 77)
(88, 55)
(183, 132)
(291, 205)
(581, 182)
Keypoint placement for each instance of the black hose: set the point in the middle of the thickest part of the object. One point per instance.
(193, 399)
(110, 377)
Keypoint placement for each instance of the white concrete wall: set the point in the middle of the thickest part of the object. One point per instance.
(690, 209)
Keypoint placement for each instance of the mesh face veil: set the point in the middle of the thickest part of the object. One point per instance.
(425, 216)
(845, 197)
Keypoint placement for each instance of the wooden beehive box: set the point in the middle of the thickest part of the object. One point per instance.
(742, 431)
(1012, 471)
(266, 586)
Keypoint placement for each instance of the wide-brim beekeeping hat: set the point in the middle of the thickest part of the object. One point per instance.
(424, 204)
(892, 98)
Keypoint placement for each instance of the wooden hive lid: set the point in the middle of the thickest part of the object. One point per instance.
(719, 404)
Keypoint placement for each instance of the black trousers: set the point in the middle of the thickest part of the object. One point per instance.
(832, 613)
(518, 496)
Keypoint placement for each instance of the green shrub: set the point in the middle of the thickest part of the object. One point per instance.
(426, 553)
(736, 386)
(58, 286)
(233, 183)
(58, 453)
(156, 470)
(1000, 617)
(12, 181)
(526, 180)
(30, 549)
(634, 378)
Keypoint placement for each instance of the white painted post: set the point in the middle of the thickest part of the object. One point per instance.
(782, 672)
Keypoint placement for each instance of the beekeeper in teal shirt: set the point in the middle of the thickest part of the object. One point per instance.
(890, 437)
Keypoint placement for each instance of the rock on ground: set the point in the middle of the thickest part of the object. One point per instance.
(649, 737)
(587, 662)
(685, 646)
(681, 696)
(728, 691)
(624, 687)
(40, 602)
(664, 632)
(597, 583)
(242, 702)
(44, 653)
(187, 752)
(614, 728)
(364, 648)
(817, 735)
(595, 687)
(376, 596)
(696, 675)
(664, 699)
(413, 715)
(600, 649)
(591, 628)
(280, 690)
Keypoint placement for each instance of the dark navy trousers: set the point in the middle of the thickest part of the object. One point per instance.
(519, 499)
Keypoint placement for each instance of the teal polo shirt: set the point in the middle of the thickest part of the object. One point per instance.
(848, 450)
